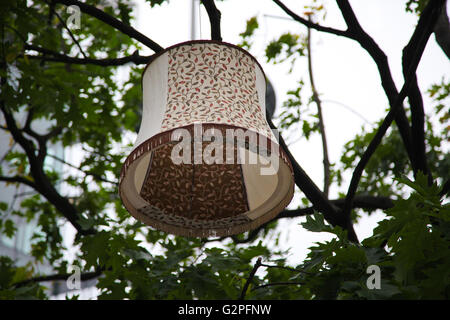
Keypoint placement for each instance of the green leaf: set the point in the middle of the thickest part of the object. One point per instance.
(273, 50)
(95, 249)
(375, 255)
(315, 223)
(252, 25)
(3, 206)
(9, 228)
(386, 291)
(86, 223)
(137, 254)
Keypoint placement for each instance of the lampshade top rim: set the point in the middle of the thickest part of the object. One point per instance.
(186, 43)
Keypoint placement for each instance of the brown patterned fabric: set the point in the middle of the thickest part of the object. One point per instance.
(218, 191)
(193, 191)
(168, 186)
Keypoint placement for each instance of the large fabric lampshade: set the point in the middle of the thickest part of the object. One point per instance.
(205, 162)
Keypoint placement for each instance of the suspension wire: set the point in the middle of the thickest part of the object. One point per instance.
(199, 19)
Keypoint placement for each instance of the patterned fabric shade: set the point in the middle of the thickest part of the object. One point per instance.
(205, 162)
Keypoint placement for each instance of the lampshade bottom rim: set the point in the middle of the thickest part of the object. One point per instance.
(210, 232)
(164, 217)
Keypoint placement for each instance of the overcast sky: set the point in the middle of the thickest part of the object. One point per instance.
(343, 72)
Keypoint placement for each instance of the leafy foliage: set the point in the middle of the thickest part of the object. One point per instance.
(92, 111)
(411, 246)
(10, 275)
(390, 159)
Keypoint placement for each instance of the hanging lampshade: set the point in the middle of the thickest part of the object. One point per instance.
(205, 162)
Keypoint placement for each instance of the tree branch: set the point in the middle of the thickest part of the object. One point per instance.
(42, 183)
(41, 139)
(214, 19)
(18, 179)
(113, 22)
(417, 111)
(442, 32)
(26, 144)
(310, 24)
(418, 42)
(360, 201)
(251, 235)
(53, 56)
(309, 188)
(59, 277)
(357, 33)
(29, 119)
(330, 212)
(253, 272)
(445, 189)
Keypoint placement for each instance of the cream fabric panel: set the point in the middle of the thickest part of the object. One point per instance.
(259, 187)
(154, 85)
(141, 171)
(261, 90)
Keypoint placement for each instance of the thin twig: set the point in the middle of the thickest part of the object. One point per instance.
(68, 30)
(352, 110)
(278, 284)
(284, 268)
(316, 99)
(95, 176)
(250, 278)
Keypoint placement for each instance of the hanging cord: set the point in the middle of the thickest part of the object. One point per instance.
(199, 19)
